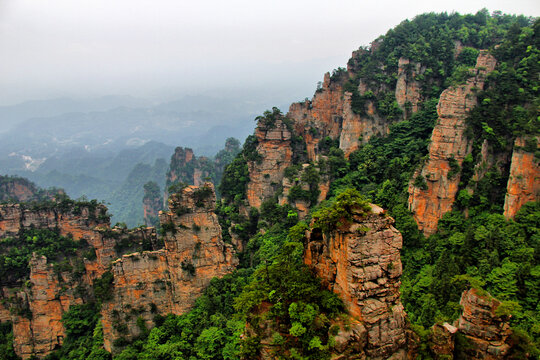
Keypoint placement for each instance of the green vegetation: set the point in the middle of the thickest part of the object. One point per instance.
(201, 194)
(212, 169)
(6, 342)
(84, 335)
(508, 108)
(350, 202)
(284, 295)
(274, 292)
(16, 252)
(269, 118)
(211, 330)
(429, 40)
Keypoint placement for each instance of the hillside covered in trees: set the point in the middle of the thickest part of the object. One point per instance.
(437, 123)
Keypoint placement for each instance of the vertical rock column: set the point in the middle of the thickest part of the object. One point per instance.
(361, 263)
(524, 180)
(486, 332)
(274, 148)
(168, 280)
(448, 147)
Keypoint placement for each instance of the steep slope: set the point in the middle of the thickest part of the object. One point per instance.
(439, 177)
(168, 281)
(360, 261)
(366, 131)
(524, 180)
(156, 281)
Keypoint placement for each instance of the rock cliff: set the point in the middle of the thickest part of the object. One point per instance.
(181, 168)
(275, 154)
(16, 189)
(41, 330)
(407, 87)
(487, 333)
(329, 114)
(78, 222)
(189, 169)
(524, 180)
(433, 190)
(361, 263)
(36, 307)
(152, 203)
(168, 280)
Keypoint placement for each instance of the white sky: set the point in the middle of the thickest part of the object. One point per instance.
(153, 47)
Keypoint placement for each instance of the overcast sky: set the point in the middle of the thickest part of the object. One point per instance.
(160, 48)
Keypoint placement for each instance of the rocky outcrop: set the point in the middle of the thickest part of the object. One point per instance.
(329, 114)
(157, 281)
(181, 168)
(407, 87)
(186, 168)
(524, 180)
(168, 280)
(47, 298)
(79, 221)
(433, 189)
(16, 189)
(361, 262)
(152, 203)
(486, 333)
(36, 307)
(302, 187)
(275, 153)
(442, 340)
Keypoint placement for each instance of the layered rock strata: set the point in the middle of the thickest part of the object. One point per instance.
(168, 280)
(36, 308)
(361, 263)
(524, 180)
(433, 190)
(487, 333)
(329, 114)
(80, 224)
(274, 149)
(41, 330)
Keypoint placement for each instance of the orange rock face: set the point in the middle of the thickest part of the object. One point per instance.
(487, 333)
(169, 280)
(329, 113)
(80, 225)
(524, 180)
(274, 147)
(448, 142)
(361, 263)
(38, 328)
(43, 331)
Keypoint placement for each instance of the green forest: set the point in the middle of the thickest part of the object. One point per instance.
(474, 246)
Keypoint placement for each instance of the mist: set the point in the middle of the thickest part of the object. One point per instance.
(161, 50)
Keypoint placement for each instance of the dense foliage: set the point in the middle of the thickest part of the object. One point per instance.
(6, 342)
(16, 252)
(475, 245)
(211, 330)
(84, 335)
